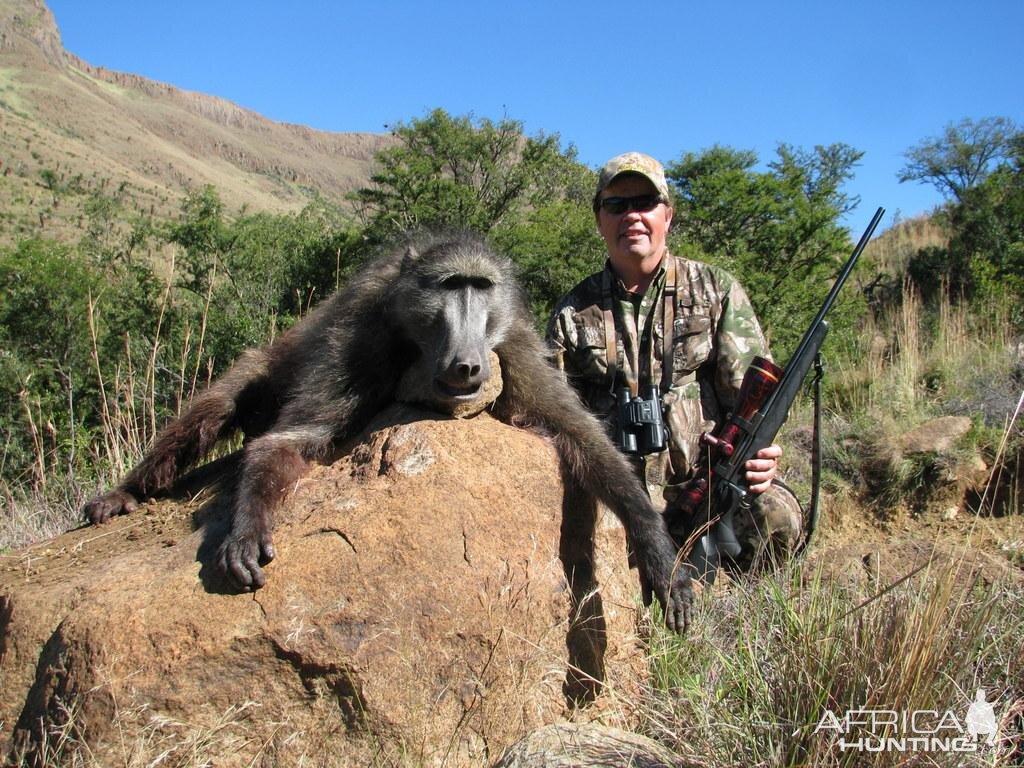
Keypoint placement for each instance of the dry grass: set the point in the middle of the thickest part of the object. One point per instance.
(910, 366)
(159, 742)
(50, 501)
(893, 249)
(749, 686)
(770, 657)
(909, 361)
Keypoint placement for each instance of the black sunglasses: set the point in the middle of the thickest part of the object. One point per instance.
(640, 203)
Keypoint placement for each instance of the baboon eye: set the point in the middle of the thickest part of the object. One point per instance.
(455, 282)
(481, 283)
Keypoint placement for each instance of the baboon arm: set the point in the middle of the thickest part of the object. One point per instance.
(536, 393)
(183, 442)
(177, 447)
(272, 465)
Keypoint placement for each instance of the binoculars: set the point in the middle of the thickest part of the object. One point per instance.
(641, 429)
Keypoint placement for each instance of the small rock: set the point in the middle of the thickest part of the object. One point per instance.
(588, 746)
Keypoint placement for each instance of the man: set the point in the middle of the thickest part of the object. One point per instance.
(609, 332)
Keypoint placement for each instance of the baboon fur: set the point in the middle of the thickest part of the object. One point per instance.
(428, 310)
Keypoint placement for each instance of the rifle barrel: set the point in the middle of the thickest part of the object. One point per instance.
(840, 280)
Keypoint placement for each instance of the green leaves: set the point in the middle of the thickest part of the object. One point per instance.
(776, 230)
(459, 173)
(235, 282)
(962, 157)
(528, 193)
(554, 246)
(981, 165)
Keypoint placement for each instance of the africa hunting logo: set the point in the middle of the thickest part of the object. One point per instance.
(926, 730)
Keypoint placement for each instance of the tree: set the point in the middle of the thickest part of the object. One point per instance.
(44, 345)
(279, 265)
(554, 247)
(203, 235)
(962, 157)
(988, 230)
(526, 192)
(777, 230)
(984, 259)
(456, 172)
(49, 178)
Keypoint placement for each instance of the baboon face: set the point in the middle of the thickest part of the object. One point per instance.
(454, 303)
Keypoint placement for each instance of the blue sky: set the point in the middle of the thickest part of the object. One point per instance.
(608, 77)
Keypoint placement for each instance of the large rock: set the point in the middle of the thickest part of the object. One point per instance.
(416, 612)
(926, 469)
(936, 436)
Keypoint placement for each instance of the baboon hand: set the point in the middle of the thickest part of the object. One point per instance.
(678, 602)
(671, 583)
(106, 505)
(240, 557)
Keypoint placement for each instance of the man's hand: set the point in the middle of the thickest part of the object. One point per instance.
(761, 470)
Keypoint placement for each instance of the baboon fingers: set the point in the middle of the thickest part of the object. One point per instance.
(94, 515)
(253, 572)
(105, 506)
(678, 603)
(245, 574)
(678, 613)
(240, 559)
(266, 549)
(97, 510)
(677, 619)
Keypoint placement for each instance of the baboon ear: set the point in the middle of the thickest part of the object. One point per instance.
(410, 257)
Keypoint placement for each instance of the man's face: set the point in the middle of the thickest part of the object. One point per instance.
(634, 239)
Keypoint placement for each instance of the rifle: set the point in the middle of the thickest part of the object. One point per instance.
(766, 395)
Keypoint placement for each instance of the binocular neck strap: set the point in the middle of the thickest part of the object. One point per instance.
(668, 320)
(668, 328)
(611, 350)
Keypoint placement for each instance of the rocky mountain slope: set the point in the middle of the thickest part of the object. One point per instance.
(69, 130)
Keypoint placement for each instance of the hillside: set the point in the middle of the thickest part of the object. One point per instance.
(69, 129)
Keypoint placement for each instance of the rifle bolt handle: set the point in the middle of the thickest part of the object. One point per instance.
(723, 447)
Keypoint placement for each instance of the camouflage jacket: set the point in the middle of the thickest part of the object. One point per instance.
(715, 334)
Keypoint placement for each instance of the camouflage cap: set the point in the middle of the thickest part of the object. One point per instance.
(633, 162)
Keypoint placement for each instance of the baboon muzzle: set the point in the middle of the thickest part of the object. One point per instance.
(464, 376)
(462, 365)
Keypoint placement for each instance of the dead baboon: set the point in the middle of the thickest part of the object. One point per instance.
(427, 312)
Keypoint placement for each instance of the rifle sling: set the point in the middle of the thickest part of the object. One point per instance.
(668, 322)
(611, 350)
(814, 506)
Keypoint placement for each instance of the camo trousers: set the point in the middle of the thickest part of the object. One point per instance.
(769, 531)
